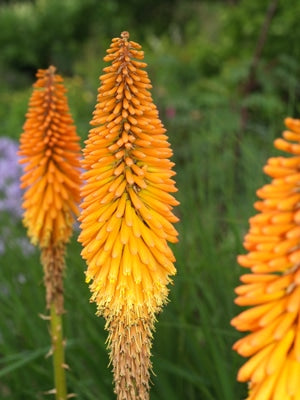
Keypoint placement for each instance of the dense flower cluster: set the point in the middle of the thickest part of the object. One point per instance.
(127, 214)
(50, 151)
(272, 288)
(126, 218)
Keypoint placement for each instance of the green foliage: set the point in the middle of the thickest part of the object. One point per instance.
(199, 56)
(57, 26)
(39, 33)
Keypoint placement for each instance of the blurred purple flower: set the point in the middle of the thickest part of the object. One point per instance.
(10, 172)
(11, 197)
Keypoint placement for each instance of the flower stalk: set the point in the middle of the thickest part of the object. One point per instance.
(50, 152)
(59, 365)
(271, 289)
(127, 217)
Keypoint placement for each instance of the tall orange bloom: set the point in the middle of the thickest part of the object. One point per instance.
(272, 288)
(50, 152)
(127, 214)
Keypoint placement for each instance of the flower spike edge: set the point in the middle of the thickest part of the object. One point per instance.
(127, 219)
(50, 153)
(272, 287)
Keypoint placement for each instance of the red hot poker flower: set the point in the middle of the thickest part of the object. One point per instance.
(272, 288)
(127, 216)
(50, 153)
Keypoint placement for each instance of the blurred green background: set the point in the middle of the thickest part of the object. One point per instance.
(225, 74)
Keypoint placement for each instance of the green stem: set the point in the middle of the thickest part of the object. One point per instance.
(58, 354)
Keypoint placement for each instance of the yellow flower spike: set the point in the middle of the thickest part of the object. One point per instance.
(127, 217)
(50, 152)
(272, 288)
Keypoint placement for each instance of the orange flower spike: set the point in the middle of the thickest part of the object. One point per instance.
(127, 217)
(272, 288)
(50, 152)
